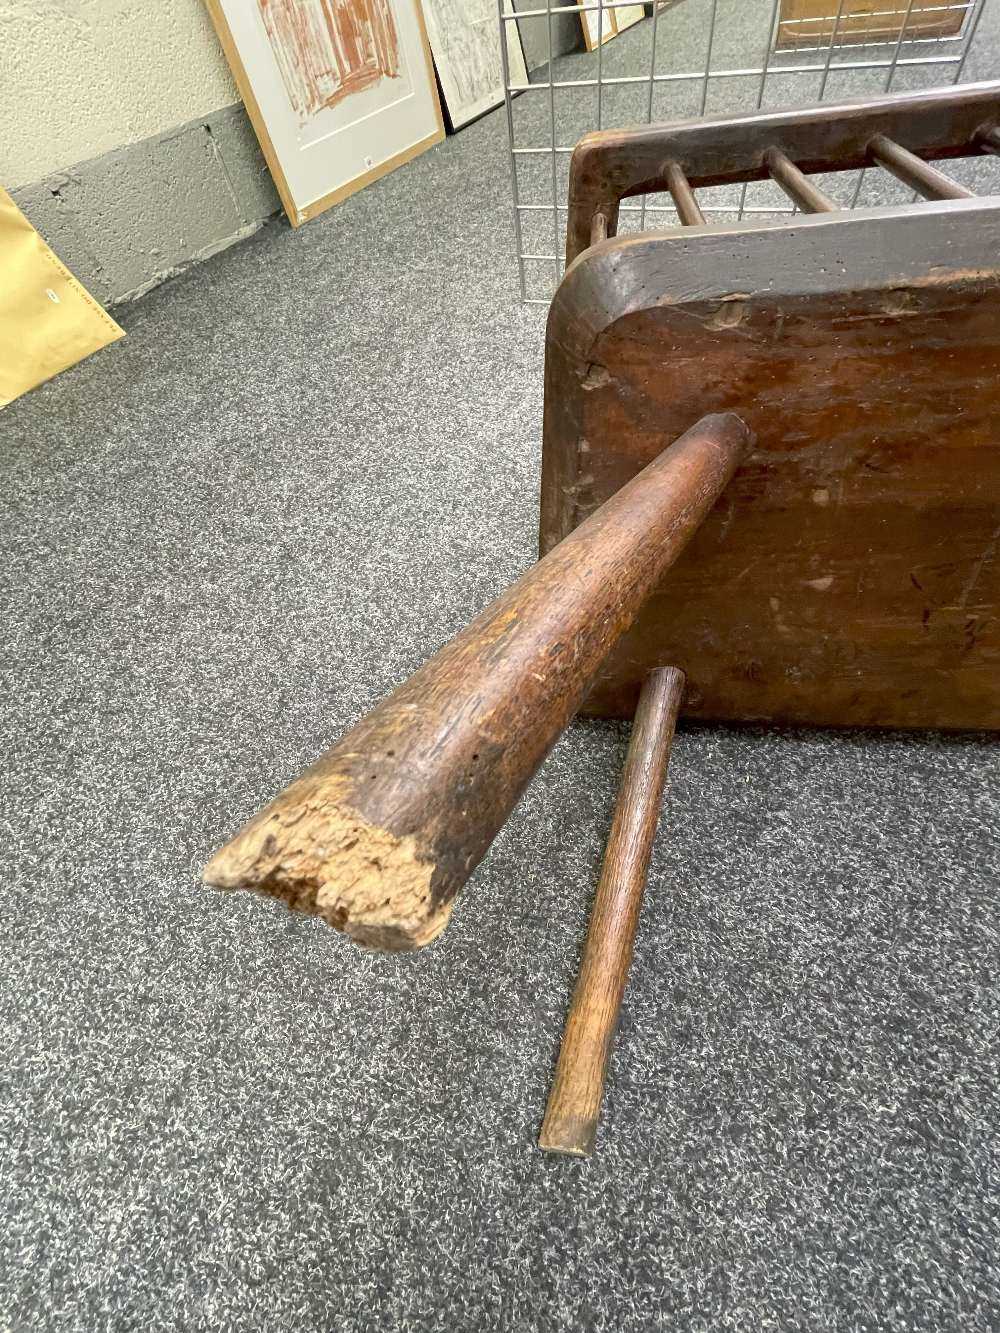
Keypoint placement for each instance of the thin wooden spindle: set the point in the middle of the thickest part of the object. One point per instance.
(799, 188)
(683, 196)
(570, 1123)
(598, 229)
(914, 171)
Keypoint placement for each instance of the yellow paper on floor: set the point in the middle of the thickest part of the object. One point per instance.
(48, 321)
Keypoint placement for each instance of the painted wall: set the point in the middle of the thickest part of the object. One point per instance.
(81, 77)
(124, 140)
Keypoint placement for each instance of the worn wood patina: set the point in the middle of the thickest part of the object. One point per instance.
(611, 165)
(379, 835)
(849, 576)
(844, 572)
(570, 1124)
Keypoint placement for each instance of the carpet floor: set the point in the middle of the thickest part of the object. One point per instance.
(312, 459)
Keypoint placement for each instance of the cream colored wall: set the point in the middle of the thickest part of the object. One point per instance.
(81, 77)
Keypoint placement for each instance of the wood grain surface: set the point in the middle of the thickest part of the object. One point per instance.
(610, 165)
(849, 576)
(380, 834)
(574, 1106)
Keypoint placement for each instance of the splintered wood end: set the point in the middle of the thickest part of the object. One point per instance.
(320, 857)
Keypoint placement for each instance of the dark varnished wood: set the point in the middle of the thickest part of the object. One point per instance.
(850, 574)
(688, 208)
(610, 165)
(799, 188)
(912, 171)
(570, 1123)
(380, 834)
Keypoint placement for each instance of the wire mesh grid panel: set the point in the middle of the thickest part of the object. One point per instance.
(676, 59)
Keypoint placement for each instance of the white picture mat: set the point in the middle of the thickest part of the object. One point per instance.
(342, 142)
(613, 21)
(627, 15)
(590, 18)
(465, 40)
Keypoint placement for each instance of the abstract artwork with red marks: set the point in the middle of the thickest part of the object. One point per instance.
(328, 49)
(339, 92)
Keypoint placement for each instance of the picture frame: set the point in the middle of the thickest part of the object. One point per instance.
(339, 92)
(613, 21)
(463, 38)
(805, 24)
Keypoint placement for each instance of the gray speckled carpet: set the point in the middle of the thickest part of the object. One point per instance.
(310, 461)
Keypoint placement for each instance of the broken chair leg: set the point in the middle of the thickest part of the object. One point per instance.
(570, 1123)
(380, 834)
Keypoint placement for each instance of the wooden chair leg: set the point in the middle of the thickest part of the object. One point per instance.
(570, 1123)
(381, 833)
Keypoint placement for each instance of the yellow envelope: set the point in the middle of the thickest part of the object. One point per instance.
(48, 321)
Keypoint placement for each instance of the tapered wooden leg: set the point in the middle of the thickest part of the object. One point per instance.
(382, 832)
(570, 1123)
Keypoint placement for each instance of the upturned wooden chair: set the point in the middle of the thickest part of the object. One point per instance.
(770, 493)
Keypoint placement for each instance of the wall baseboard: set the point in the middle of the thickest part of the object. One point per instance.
(128, 220)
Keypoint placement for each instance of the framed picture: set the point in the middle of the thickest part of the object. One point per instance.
(340, 92)
(466, 49)
(812, 23)
(613, 21)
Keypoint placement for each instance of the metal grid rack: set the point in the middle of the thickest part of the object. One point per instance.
(634, 79)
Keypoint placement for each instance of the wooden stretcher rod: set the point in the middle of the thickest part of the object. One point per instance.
(570, 1124)
(799, 188)
(611, 165)
(688, 208)
(379, 835)
(914, 171)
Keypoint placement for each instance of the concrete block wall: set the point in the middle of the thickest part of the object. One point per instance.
(125, 142)
(127, 220)
(124, 139)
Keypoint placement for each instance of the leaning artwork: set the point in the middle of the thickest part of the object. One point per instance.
(340, 92)
(466, 46)
(325, 52)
